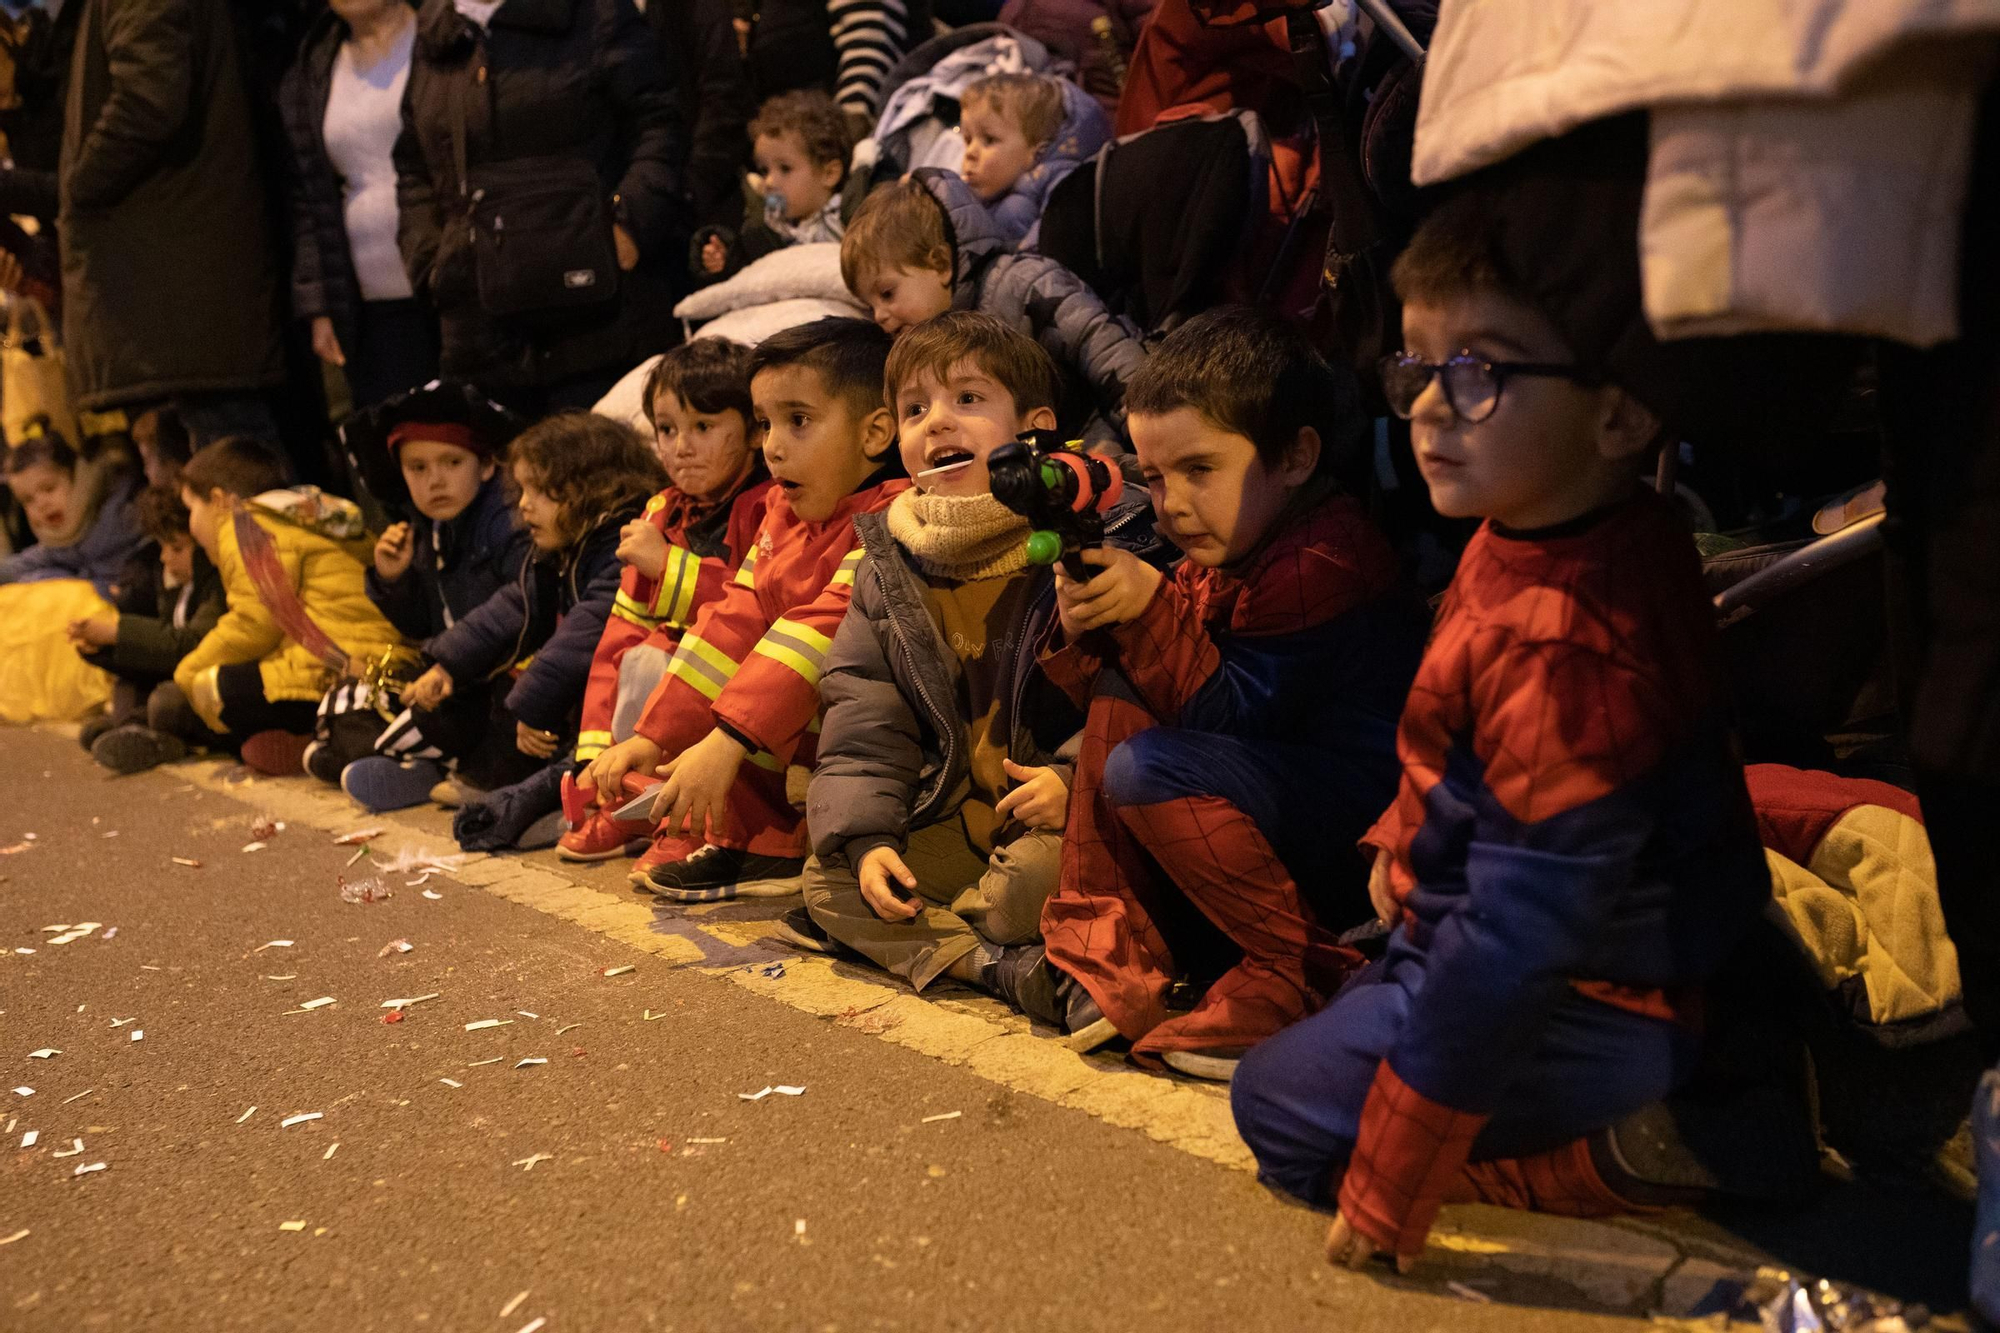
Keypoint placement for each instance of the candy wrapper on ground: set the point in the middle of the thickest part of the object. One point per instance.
(369, 890)
(1786, 1303)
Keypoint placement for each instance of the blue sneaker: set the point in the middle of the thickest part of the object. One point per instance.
(379, 783)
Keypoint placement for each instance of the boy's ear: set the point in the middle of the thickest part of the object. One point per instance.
(1042, 418)
(830, 172)
(1627, 428)
(487, 469)
(1302, 457)
(878, 433)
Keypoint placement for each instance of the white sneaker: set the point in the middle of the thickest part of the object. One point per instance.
(1195, 1064)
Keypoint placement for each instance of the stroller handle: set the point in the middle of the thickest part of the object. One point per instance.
(1798, 568)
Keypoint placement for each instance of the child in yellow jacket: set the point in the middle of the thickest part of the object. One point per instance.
(251, 680)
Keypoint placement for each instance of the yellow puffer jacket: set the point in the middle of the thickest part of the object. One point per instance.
(322, 547)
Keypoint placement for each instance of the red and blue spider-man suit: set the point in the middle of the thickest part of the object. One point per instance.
(1574, 852)
(1240, 735)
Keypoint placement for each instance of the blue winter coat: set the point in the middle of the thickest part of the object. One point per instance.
(454, 566)
(99, 555)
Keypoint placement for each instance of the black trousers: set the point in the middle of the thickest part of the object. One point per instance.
(395, 348)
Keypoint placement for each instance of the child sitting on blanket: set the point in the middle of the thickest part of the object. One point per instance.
(801, 142)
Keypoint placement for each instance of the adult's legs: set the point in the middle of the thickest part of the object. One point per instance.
(395, 348)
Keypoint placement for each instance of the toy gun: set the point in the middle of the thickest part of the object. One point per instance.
(1063, 492)
(639, 791)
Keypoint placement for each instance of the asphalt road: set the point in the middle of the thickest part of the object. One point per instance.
(657, 1197)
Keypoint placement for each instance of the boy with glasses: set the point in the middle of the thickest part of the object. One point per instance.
(1571, 852)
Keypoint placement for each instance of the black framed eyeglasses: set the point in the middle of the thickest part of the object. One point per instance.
(1472, 384)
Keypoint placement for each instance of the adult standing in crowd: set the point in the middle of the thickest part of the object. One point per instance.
(539, 177)
(343, 107)
(169, 282)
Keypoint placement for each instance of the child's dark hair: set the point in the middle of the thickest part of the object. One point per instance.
(1031, 101)
(1250, 374)
(235, 465)
(1012, 359)
(848, 355)
(819, 121)
(594, 468)
(1456, 252)
(900, 225)
(708, 374)
(48, 448)
(162, 516)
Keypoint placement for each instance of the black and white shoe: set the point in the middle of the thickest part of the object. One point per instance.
(798, 929)
(723, 874)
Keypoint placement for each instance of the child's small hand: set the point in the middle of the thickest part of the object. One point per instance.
(1348, 1248)
(393, 551)
(428, 690)
(696, 791)
(714, 255)
(94, 632)
(1120, 594)
(606, 773)
(879, 872)
(535, 744)
(643, 546)
(1041, 801)
(1380, 892)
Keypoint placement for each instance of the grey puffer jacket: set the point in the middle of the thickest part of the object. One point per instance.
(892, 756)
(1036, 295)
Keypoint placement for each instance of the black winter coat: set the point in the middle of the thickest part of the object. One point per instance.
(570, 78)
(150, 645)
(169, 283)
(555, 610)
(700, 36)
(323, 281)
(455, 566)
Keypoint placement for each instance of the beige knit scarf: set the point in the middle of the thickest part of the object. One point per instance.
(959, 537)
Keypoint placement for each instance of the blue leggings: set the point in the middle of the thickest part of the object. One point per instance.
(1297, 1096)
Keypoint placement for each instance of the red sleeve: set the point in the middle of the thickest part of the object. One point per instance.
(678, 712)
(1166, 654)
(774, 695)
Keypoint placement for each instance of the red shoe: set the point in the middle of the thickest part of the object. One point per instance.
(601, 838)
(277, 753)
(667, 848)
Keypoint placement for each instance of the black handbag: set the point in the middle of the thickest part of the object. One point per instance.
(540, 232)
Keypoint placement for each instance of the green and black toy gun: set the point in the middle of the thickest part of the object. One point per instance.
(1064, 492)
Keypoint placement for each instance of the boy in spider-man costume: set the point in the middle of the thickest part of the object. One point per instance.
(1571, 853)
(1242, 711)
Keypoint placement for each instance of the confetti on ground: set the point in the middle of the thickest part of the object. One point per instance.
(408, 1001)
(494, 1061)
(292, 1226)
(112, 834)
(451, 1083)
(76, 1146)
(619, 971)
(528, 1164)
(393, 1016)
(763, 1093)
(246, 1115)
(533, 1325)
(110, 933)
(24, 1092)
(255, 846)
(17, 849)
(86, 1170)
(47, 1052)
(708, 1140)
(187, 861)
(289, 1121)
(799, 1227)
(359, 852)
(121, 1022)
(29, 1139)
(394, 946)
(267, 828)
(24, 950)
(648, 1015)
(525, 1014)
(1464, 1292)
(358, 835)
(22, 1234)
(774, 971)
(488, 1023)
(138, 1034)
(289, 976)
(79, 1097)
(567, 1027)
(512, 1305)
(331, 1149)
(274, 944)
(948, 1115)
(431, 895)
(531, 1060)
(320, 1003)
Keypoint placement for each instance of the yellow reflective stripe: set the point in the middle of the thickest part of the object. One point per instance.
(600, 739)
(800, 647)
(626, 609)
(674, 599)
(703, 666)
(586, 753)
(844, 572)
(746, 574)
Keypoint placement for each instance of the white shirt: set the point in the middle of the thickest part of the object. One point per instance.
(479, 11)
(364, 114)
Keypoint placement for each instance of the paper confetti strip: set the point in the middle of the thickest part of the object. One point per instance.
(289, 1121)
(488, 1023)
(86, 1170)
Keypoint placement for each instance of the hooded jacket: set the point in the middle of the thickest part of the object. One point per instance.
(1084, 130)
(1035, 295)
(455, 566)
(108, 537)
(547, 78)
(321, 546)
(891, 748)
(552, 615)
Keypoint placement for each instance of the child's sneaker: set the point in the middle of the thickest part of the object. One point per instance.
(277, 754)
(322, 761)
(87, 735)
(798, 929)
(600, 838)
(666, 849)
(379, 783)
(721, 874)
(1215, 1066)
(455, 793)
(134, 749)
